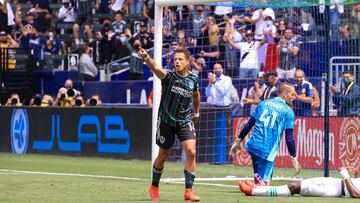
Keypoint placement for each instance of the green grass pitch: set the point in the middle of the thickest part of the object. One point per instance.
(88, 179)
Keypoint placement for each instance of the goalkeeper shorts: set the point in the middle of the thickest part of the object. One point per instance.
(165, 135)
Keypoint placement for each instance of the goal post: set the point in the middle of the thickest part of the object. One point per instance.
(321, 35)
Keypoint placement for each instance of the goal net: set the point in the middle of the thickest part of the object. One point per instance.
(251, 40)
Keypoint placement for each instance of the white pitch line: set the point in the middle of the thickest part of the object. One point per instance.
(165, 180)
(72, 174)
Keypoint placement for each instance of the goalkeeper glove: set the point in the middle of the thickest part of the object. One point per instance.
(295, 164)
(235, 147)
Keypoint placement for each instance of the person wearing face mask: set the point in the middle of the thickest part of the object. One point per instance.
(218, 92)
(347, 99)
(271, 91)
(136, 71)
(249, 65)
(288, 50)
(269, 30)
(305, 95)
(255, 92)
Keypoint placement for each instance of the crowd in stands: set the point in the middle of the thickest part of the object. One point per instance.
(103, 31)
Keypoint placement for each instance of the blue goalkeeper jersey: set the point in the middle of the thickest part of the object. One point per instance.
(272, 117)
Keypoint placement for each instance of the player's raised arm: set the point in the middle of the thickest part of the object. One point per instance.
(354, 192)
(158, 70)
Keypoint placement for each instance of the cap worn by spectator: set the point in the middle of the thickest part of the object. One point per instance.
(272, 73)
(66, 1)
(2, 33)
(261, 74)
(143, 24)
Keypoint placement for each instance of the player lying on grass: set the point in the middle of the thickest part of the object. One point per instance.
(312, 187)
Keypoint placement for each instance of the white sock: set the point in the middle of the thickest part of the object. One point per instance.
(272, 191)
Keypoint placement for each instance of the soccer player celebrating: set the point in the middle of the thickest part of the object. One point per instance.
(312, 187)
(180, 92)
(270, 118)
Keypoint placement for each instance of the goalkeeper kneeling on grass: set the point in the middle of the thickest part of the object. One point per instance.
(312, 187)
(270, 118)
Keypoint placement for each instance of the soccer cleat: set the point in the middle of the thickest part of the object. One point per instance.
(258, 180)
(190, 196)
(154, 193)
(245, 188)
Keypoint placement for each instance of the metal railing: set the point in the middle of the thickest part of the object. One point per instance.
(339, 64)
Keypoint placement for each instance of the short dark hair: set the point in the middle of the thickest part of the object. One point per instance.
(348, 72)
(184, 51)
(284, 87)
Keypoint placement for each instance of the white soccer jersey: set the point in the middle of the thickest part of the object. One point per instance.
(356, 183)
(321, 187)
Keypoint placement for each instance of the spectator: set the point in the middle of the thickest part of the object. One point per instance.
(26, 25)
(355, 15)
(249, 65)
(136, 71)
(231, 55)
(119, 25)
(304, 97)
(255, 92)
(271, 91)
(258, 19)
(169, 18)
(316, 103)
(102, 6)
(118, 5)
(88, 70)
(198, 17)
(281, 30)
(219, 89)
(53, 43)
(7, 17)
(149, 11)
(42, 17)
(136, 7)
(288, 50)
(107, 41)
(67, 12)
(210, 32)
(84, 15)
(269, 30)
(36, 43)
(347, 100)
(7, 42)
(3, 16)
(167, 38)
(144, 36)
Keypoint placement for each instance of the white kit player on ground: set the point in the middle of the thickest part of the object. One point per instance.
(312, 187)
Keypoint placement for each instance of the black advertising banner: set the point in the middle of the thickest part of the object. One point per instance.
(113, 132)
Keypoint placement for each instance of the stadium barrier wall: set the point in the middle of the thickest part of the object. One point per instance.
(111, 132)
(309, 139)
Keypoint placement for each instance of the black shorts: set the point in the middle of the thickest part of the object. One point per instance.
(165, 135)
